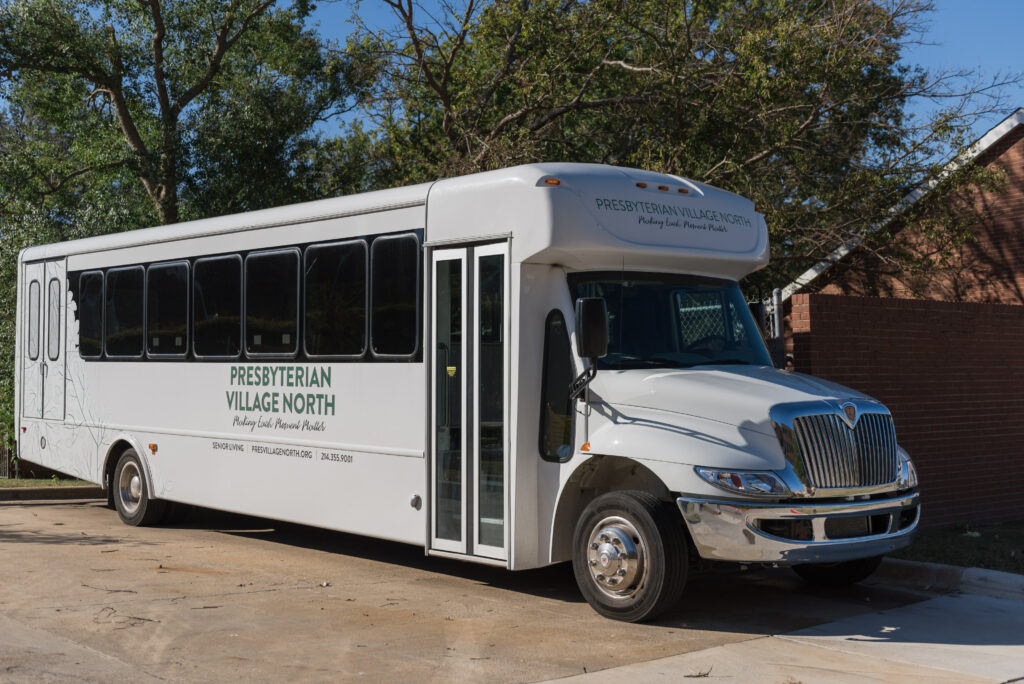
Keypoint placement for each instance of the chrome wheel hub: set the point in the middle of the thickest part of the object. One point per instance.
(617, 557)
(129, 488)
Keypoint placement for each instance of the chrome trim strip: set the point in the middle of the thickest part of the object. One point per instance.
(728, 529)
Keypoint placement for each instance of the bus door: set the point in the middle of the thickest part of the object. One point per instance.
(44, 340)
(55, 339)
(469, 406)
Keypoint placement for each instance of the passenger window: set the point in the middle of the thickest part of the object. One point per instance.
(217, 306)
(556, 406)
(90, 315)
(336, 299)
(33, 320)
(167, 309)
(53, 321)
(272, 303)
(123, 312)
(395, 263)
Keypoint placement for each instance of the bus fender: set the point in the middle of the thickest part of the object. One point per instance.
(118, 445)
(595, 476)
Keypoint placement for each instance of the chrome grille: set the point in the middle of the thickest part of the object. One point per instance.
(835, 456)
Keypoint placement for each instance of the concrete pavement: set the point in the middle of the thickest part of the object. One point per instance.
(963, 638)
(85, 598)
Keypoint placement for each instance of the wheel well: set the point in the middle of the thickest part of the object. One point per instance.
(597, 476)
(113, 456)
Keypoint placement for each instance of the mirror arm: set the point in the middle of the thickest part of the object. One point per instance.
(583, 380)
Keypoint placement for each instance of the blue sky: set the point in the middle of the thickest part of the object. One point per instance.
(983, 35)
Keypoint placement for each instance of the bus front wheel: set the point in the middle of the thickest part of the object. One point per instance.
(630, 556)
(131, 494)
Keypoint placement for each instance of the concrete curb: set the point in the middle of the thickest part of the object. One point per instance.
(949, 578)
(40, 493)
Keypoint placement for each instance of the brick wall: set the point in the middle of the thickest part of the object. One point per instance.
(988, 268)
(953, 376)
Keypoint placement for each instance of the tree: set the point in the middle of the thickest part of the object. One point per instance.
(195, 100)
(800, 105)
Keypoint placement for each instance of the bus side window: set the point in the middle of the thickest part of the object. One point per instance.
(217, 306)
(53, 321)
(556, 406)
(90, 315)
(123, 312)
(336, 299)
(272, 303)
(167, 309)
(395, 295)
(33, 320)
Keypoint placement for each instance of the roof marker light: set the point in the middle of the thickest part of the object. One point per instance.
(663, 187)
(683, 191)
(641, 185)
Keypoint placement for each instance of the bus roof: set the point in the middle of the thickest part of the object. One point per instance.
(581, 216)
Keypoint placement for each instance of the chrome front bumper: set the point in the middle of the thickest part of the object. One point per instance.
(731, 530)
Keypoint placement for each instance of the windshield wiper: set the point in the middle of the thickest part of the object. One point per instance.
(626, 363)
(723, 362)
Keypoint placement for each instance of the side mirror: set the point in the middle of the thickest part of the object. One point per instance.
(591, 327)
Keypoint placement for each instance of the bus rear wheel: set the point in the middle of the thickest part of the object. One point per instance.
(131, 494)
(630, 556)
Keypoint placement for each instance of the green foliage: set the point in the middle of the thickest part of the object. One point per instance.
(798, 104)
(208, 106)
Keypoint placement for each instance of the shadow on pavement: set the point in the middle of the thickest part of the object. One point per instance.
(721, 598)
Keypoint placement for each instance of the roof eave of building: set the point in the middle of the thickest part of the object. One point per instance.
(985, 142)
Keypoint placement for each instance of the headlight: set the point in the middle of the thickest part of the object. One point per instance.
(761, 483)
(907, 476)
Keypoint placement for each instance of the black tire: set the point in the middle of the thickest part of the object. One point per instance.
(639, 541)
(838, 574)
(131, 494)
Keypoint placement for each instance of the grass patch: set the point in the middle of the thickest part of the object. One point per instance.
(993, 547)
(42, 482)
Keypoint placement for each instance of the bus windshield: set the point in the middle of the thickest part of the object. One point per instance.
(658, 320)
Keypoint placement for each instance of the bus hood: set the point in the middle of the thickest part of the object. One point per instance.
(740, 396)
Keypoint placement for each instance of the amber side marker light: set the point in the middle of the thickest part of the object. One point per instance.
(552, 181)
(585, 447)
(152, 448)
(641, 185)
(683, 191)
(663, 188)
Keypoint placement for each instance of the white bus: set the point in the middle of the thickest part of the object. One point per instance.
(544, 363)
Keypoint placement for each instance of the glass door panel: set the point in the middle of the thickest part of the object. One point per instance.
(489, 411)
(449, 476)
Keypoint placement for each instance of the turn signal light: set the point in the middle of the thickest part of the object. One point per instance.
(552, 181)
(152, 448)
(585, 447)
